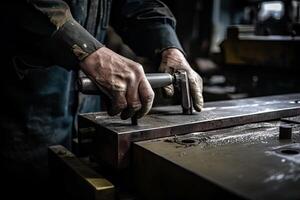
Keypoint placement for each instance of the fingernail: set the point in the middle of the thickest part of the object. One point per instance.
(197, 106)
(169, 92)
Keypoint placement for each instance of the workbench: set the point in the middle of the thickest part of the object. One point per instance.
(232, 149)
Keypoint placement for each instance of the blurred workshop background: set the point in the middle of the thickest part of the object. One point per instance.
(241, 49)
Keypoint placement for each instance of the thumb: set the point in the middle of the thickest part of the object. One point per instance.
(168, 91)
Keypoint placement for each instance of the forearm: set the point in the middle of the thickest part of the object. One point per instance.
(77, 39)
(151, 41)
(68, 42)
(147, 26)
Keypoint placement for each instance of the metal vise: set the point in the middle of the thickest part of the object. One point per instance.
(156, 80)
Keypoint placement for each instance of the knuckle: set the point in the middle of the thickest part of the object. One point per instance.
(135, 105)
(139, 69)
(136, 73)
(192, 79)
(131, 76)
(196, 78)
(121, 106)
(149, 97)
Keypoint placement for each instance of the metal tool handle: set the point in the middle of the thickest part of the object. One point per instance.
(156, 80)
(182, 81)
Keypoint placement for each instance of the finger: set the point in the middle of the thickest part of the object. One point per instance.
(196, 91)
(168, 91)
(118, 103)
(129, 112)
(133, 102)
(146, 95)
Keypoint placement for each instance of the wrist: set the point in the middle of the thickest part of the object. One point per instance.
(173, 57)
(172, 52)
(76, 38)
(94, 56)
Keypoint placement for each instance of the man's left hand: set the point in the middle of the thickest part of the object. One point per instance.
(173, 60)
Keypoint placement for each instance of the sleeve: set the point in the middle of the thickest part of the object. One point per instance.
(147, 26)
(68, 41)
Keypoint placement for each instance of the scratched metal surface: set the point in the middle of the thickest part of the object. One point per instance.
(171, 115)
(246, 161)
(114, 136)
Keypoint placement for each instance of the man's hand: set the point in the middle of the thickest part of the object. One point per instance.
(173, 60)
(122, 80)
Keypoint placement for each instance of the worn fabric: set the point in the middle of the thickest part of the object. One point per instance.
(43, 42)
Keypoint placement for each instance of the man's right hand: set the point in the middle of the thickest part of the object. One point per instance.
(122, 80)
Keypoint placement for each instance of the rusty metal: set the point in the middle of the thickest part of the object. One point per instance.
(113, 137)
(243, 162)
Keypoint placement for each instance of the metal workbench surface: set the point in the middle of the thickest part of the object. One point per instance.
(114, 136)
(243, 162)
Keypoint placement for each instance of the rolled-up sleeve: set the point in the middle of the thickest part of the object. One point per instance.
(147, 26)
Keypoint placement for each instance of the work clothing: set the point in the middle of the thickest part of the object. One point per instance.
(43, 42)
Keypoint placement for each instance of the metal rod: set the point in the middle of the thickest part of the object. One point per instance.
(156, 80)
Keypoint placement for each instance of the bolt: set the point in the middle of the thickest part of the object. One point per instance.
(285, 131)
